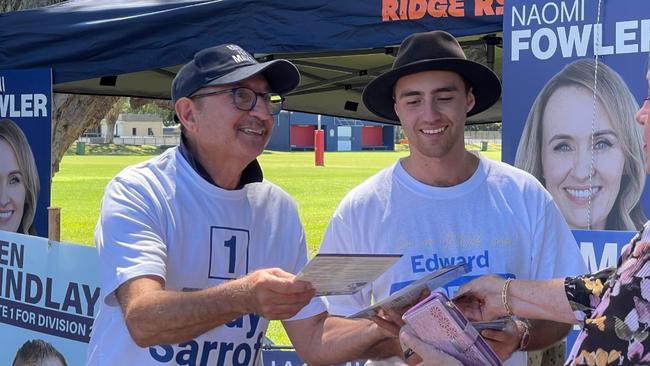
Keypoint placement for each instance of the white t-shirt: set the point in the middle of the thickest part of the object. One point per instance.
(501, 221)
(161, 218)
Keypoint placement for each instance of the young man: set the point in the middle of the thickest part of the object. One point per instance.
(442, 204)
(197, 250)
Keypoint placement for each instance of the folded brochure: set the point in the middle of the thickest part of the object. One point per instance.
(345, 274)
(408, 295)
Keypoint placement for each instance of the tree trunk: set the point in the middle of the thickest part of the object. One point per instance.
(111, 120)
(73, 114)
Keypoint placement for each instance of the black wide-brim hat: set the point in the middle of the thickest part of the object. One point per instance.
(435, 50)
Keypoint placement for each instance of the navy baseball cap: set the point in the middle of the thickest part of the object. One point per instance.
(227, 64)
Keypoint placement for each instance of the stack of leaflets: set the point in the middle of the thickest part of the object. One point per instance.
(408, 295)
(345, 274)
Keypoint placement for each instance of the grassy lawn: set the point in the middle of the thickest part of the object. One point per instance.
(79, 185)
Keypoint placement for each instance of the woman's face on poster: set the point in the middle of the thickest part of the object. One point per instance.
(567, 157)
(12, 189)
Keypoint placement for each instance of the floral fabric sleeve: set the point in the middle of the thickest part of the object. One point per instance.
(617, 306)
(585, 292)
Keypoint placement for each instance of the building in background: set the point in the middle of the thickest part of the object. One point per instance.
(130, 125)
(134, 129)
(294, 131)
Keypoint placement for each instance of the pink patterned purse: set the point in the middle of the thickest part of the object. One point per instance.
(437, 321)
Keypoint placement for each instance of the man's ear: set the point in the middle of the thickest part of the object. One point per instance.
(471, 100)
(185, 112)
(395, 105)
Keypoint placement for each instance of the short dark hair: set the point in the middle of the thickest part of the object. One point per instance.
(36, 350)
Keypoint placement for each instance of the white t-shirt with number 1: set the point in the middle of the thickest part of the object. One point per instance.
(161, 218)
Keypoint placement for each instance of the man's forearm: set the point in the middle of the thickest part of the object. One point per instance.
(327, 339)
(388, 347)
(361, 341)
(166, 317)
(158, 316)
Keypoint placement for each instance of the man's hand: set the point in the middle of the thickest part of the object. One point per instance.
(391, 320)
(275, 294)
(504, 343)
(424, 354)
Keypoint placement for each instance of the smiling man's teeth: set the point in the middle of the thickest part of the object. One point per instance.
(432, 132)
(582, 193)
(256, 132)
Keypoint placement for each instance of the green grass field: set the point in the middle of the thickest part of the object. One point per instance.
(79, 185)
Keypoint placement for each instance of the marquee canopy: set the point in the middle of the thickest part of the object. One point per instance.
(135, 47)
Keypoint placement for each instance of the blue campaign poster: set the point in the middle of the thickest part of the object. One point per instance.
(569, 116)
(553, 105)
(49, 291)
(25, 102)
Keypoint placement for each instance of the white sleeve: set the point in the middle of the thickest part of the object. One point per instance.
(556, 254)
(339, 238)
(128, 237)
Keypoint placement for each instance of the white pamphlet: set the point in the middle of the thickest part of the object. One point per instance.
(345, 274)
(409, 295)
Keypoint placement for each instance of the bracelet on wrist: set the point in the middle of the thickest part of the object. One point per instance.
(504, 297)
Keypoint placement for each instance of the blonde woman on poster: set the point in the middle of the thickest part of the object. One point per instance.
(556, 146)
(19, 182)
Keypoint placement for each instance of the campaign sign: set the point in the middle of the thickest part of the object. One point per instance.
(578, 134)
(49, 291)
(25, 146)
(569, 116)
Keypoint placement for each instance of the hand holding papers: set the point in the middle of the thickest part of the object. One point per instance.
(345, 274)
(409, 294)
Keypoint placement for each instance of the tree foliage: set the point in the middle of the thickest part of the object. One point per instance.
(73, 114)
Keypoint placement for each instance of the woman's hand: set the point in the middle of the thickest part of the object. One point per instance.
(481, 298)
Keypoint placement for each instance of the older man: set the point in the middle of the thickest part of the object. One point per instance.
(197, 250)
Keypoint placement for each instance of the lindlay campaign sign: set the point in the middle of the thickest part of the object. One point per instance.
(49, 292)
(25, 147)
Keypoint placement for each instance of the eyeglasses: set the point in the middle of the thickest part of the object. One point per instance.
(245, 99)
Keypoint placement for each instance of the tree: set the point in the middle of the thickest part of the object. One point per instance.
(72, 114)
(160, 107)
